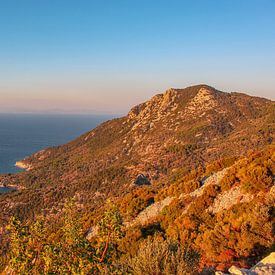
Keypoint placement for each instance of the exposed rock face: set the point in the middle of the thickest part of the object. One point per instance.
(226, 199)
(151, 211)
(202, 102)
(142, 218)
(159, 105)
(142, 180)
(264, 267)
(23, 165)
(213, 179)
(28, 164)
(233, 196)
(93, 232)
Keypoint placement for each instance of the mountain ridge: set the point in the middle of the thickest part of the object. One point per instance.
(189, 119)
(179, 122)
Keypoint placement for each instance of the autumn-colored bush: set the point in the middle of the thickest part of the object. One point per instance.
(245, 231)
(158, 256)
(254, 173)
(136, 201)
(219, 165)
(31, 251)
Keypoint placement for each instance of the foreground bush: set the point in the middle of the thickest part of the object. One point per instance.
(156, 256)
(34, 249)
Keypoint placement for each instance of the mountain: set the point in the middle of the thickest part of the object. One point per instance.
(165, 148)
(182, 127)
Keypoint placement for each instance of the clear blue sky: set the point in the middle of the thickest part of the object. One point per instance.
(105, 56)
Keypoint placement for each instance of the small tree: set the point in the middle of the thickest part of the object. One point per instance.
(109, 229)
(33, 251)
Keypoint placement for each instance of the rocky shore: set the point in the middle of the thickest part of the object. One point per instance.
(23, 165)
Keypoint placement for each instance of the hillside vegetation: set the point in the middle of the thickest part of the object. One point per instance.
(190, 174)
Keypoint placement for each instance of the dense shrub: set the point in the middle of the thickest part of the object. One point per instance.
(158, 256)
(35, 249)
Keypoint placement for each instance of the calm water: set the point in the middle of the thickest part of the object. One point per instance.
(23, 135)
(4, 190)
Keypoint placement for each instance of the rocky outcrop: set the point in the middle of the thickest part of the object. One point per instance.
(142, 180)
(31, 162)
(203, 102)
(157, 108)
(23, 165)
(206, 181)
(264, 267)
(151, 211)
(92, 232)
(213, 179)
(228, 198)
(142, 218)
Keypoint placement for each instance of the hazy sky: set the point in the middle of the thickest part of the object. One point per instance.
(107, 55)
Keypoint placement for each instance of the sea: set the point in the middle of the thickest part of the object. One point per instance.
(24, 134)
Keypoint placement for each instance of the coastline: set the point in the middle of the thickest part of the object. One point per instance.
(11, 187)
(8, 188)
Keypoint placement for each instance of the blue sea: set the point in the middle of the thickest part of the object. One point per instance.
(24, 134)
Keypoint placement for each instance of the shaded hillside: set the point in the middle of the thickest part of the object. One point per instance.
(162, 138)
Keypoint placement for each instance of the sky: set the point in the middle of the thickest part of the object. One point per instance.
(104, 56)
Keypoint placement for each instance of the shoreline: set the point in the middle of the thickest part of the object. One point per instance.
(12, 187)
(7, 189)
